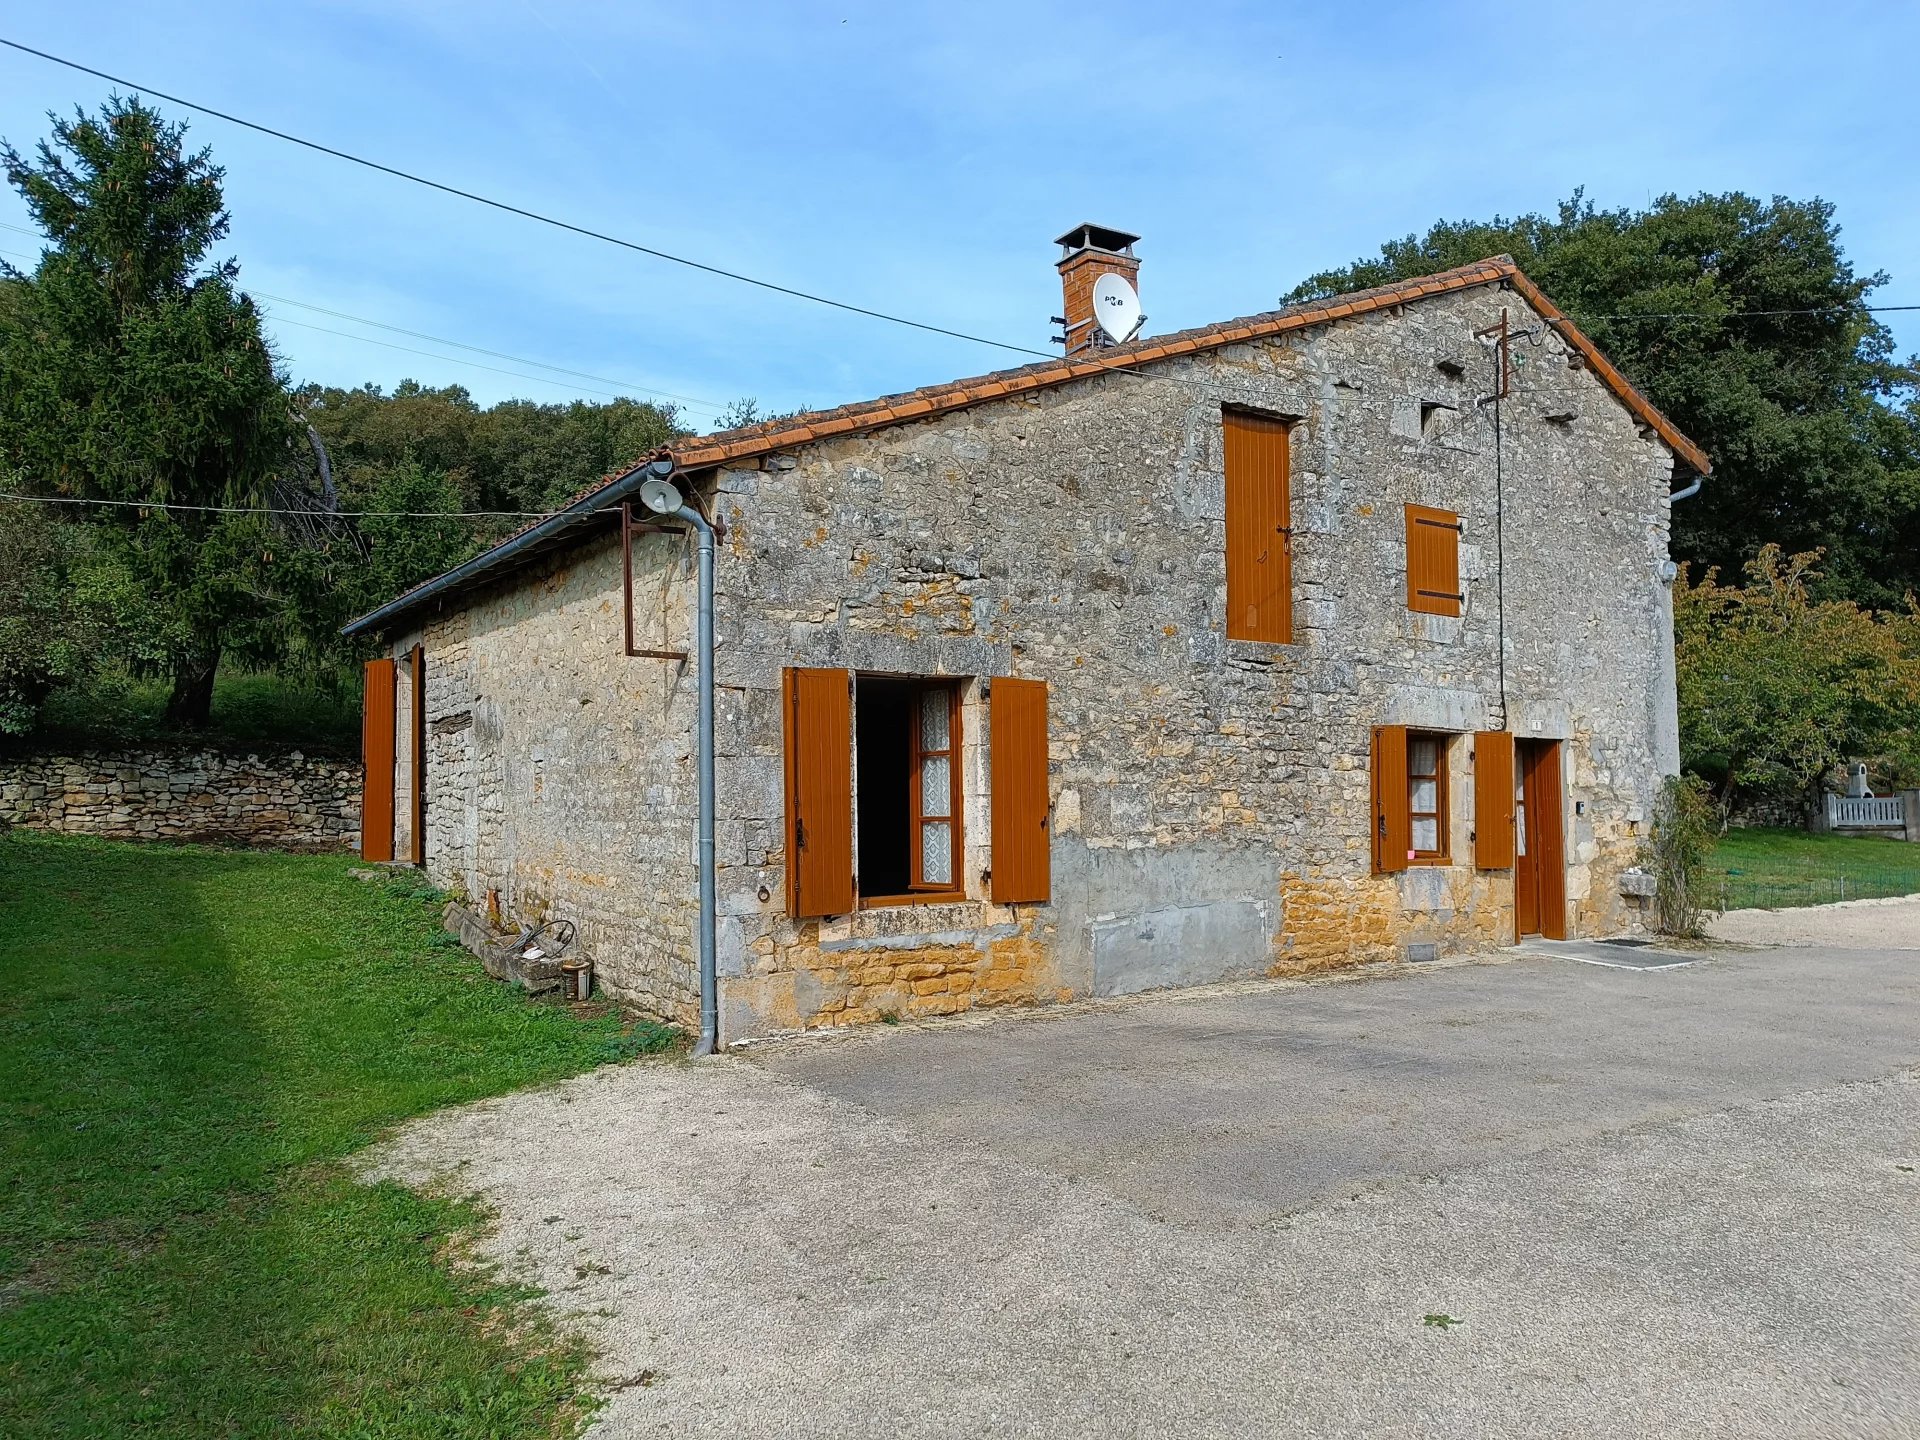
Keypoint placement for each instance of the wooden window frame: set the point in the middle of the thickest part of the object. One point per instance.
(1441, 817)
(1423, 598)
(919, 891)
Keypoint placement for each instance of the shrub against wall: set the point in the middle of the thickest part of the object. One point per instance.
(1686, 826)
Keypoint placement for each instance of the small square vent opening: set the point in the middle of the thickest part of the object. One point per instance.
(1436, 419)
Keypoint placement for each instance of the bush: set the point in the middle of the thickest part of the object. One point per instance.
(1686, 826)
(63, 605)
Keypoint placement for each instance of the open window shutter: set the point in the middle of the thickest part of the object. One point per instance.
(819, 726)
(1392, 828)
(1493, 813)
(1259, 528)
(1022, 861)
(1433, 561)
(418, 695)
(376, 756)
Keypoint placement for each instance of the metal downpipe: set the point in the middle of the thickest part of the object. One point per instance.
(703, 647)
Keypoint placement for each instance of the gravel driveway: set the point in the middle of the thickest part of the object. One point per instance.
(1656, 1203)
(1854, 925)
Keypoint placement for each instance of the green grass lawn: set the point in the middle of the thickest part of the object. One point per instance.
(191, 1041)
(1779, 868)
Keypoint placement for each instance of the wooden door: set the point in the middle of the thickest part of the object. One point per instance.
(1540, 869)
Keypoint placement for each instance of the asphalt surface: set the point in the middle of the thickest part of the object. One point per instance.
(1529, 1196)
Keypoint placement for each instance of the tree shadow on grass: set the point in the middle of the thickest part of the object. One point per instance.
(192, 1040)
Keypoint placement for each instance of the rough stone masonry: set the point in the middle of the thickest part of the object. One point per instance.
(1211, 812)
(276, 799)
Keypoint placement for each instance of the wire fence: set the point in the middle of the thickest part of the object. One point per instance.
(1735, 891)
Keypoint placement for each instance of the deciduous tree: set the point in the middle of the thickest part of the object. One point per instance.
(1777, 688)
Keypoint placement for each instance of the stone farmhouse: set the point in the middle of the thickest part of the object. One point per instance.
(1336, 633)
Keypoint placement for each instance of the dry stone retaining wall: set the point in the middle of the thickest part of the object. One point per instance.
(277, 800)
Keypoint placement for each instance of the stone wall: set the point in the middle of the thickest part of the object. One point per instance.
(276, 800)
(560, 771)
(1211, 803)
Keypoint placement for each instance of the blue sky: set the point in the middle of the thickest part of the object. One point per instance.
(920, 159)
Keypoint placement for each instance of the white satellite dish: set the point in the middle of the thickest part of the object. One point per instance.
(660, 495)
(1116, 309)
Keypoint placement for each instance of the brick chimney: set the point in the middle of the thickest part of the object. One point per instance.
(1086, 253)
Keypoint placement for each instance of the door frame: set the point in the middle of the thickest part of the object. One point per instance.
(1543, 786)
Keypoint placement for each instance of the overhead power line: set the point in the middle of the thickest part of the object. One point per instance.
(521, 210)
(623, 388)
(277, 510)
(409, 350)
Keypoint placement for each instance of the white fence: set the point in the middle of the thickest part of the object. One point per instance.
(1872, 812)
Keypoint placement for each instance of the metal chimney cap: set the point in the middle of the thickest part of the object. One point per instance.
(1097, 237)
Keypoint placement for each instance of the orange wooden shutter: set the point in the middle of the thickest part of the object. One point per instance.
(1493, 812)
(1392, 826)
(819, 725)
(1022, 860)
(1259, 528)
(418, 695)
(376, 757)
(1433, 561)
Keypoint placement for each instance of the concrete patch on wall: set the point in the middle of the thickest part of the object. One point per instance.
(1425, 889)
(1174, 915)
(1181, 945)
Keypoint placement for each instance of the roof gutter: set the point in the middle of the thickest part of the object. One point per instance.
(578, 513)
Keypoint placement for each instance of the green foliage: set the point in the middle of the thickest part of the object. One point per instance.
(132, 368)
(111, 710)
(516, 455)
(1813, 430)
(419, 452)
(1680, 844)
(64, 609)
(192, 1045)
(1776, 688)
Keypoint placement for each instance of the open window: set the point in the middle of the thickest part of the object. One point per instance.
(908, 782)
(875, 787)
